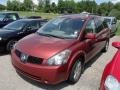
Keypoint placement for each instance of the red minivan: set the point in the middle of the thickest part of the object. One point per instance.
(111, 76)
(59, 50)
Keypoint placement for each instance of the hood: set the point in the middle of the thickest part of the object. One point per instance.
(115, 65)
(42, 46)
(4, 32)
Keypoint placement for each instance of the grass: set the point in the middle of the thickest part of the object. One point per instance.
(118, 30)
(43, 15)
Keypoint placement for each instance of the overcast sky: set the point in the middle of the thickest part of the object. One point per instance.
(35, 1)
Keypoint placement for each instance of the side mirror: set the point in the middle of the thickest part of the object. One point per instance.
(116, 45)
(90, 36)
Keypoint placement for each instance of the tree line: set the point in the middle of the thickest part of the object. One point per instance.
(66, 6)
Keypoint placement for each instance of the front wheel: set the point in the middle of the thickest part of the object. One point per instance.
(76, 72)
(10, 45)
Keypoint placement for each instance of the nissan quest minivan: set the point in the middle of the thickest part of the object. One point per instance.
(59, 50)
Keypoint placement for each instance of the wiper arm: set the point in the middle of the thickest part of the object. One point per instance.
(54, 36)
(49, 35)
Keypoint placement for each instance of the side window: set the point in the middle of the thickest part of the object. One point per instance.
(90, 27)
(12, 17)
(105, 24)
(99, 25)
(33, 25)
(114, 21)
(41, 23)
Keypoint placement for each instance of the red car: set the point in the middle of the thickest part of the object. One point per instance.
(59, 50)
(111, 76)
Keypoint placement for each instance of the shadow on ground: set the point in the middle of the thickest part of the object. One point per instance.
(92, 60)
(4, 53)
(61, 85)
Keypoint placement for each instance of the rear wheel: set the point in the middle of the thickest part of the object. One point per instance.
(10, 45)
(76, 72)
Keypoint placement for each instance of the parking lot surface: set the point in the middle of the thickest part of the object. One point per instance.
(90, 79)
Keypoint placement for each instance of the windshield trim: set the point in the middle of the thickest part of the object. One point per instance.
(57, 36)
(50, 35)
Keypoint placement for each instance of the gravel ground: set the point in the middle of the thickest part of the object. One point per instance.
(90, 79)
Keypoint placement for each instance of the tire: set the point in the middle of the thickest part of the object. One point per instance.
(75, 72)
(10, 45)
(105, 49)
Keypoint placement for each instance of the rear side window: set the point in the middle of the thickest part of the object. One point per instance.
(34, 25)
(90, 27)
(114, 21)
(99, 25)
(41, 23)
(105, 24)
(12, 17)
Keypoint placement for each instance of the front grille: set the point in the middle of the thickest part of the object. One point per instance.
(34, 60)
(31, 59)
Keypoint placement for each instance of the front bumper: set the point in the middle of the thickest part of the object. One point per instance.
(40, 73)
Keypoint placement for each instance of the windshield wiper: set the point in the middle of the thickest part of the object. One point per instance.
(50, 35)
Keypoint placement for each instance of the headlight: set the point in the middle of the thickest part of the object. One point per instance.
(0, 38)
(60, 58)
(112, 83)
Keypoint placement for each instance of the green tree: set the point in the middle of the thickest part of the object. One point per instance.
(28, 5)
(86, 5)
(16, 5)
(47, 6)
(117, 6)
(40, 5)
(115, 13)
(2, 7)
(61, 6)
(53, 7)
(9, 5)
(69, 6)
(22, 7)
(105, 8)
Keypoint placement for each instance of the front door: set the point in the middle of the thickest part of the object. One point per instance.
(90, 43)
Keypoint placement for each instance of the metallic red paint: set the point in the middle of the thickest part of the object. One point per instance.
(112, 68)
(90, 36)
(116, 44)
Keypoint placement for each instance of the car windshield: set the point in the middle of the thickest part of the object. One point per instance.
(62, 28)
(2, 16)
(17, 25)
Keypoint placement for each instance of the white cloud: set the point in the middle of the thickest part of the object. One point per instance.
(35, 1)
(115, 1)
